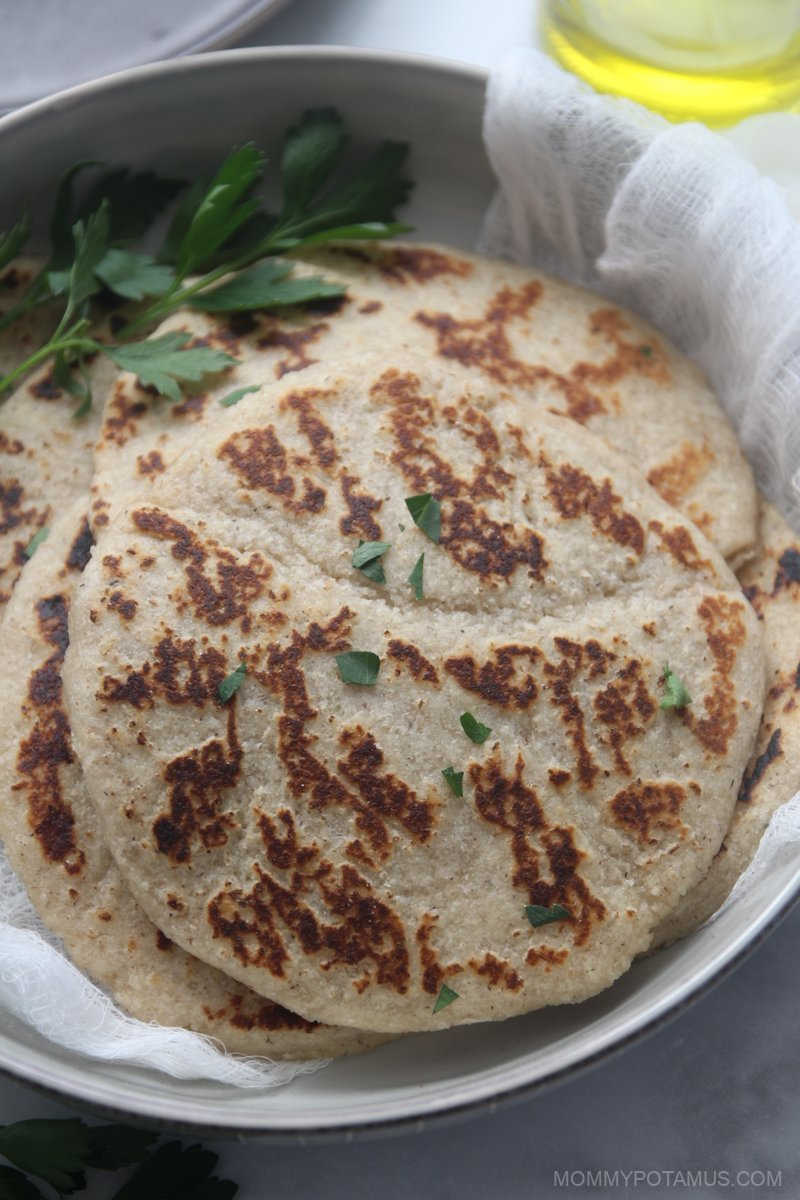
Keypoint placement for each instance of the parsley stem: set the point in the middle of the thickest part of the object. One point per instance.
(70, 342)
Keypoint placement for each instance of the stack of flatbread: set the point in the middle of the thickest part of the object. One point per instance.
(454, 787)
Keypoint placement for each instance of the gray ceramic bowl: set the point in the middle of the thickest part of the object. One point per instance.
(181, 117)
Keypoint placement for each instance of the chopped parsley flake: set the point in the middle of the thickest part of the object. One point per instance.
(231, 683)
(677, 694)
(647, 351)
(358, 666)
(366, 559)
(455, 780)
(537, 914)
(415, 578)
(446, 996)
(235, 396)
(36, 541)
(426, 512)
(475, 731)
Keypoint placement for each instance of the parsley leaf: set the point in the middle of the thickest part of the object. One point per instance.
(223, 209)
(311, 151)
(16, 1186)
(12, 242)
(36, 541)
(264, 286)
(134, 275)
(231, 683)
(365, 231)
(446, 996)
(236, 395)
(455, 780)
(426, 512)
(135, 197)
(475, 731)
(539, 914)
(366, 559)
(177, 1173)
(162, 362)
(415, 578)
(677, 695)
(358, 666)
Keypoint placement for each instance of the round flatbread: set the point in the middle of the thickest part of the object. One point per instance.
(302, 825)
(50, 834)
(772, 584)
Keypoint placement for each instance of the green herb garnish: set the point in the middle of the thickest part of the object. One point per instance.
(36, 541)
(455, 780)
(235, 396)
(231, 683)
(213, 255)
(367, 559)
(358, 666)
(426, 513)
(677, 695)
(446, 996)
(538, 914)
(475, 731)
(646, 351)
(415, 578)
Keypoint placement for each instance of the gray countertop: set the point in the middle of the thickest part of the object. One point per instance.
(708, 1105)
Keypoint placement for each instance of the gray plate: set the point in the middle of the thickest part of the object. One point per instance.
(181, 117)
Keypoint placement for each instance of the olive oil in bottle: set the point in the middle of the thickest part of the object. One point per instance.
(709, 60)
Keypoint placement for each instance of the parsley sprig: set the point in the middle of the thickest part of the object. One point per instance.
(218, 254)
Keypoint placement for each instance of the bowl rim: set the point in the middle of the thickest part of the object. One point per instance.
(490, 1099)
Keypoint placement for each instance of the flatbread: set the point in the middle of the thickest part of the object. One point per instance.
(772, 583)
(50, 834)
(478, 325)
(315, 851)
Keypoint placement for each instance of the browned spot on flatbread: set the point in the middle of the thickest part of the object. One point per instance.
(260, 460)
(197, 783)
(252, 1014)
(124, 606)
(758, 767)
(560, 676)
(546, 859)
(409, 658)
(123, 414)
(80, 550)
(502, 680)
(420, 264)
(220, 600)
(360, 507)
(363, 930)
(48, 748)
(163, 942)
(546, 955)
(296, 342)
(725, 633)
(433, 973)
(558, 776)
(151, 464)
(647, 810)
(575, 494)
(9, 445)
(676, 477)
(788, 570)
(497, 972)
(382, 796)
(309, 419)
(45, 388)
(625, 707)
(371, 306)
(680, 544)
(180, 673)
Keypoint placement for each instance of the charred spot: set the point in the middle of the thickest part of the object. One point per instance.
(558, 777)
(433, 973)
(262, 1014)
(382, 796)
(680, 544)
(81, 549)
(546, 859)
(676, 477)
(410, 658)
(281, 842)
(123, 414)
(360, 507)
(122, 605)
(240, 324)
(9, 445)
(546, 955)
(184, 675)
(499, 681)
(150, 464)
(559, 677)
(400, 264)
(162, 941)
(52, 617)
(326, 306)
(625, 707)
(757, 768)
(319, 435)
(296, 342)
(488, 547)
(497, 972)
(648, 810)
(575, 495)
(45, 388)
(371, 306)
(134, 690)
(725, 633)
(12, 513)
(197, 782)
(220, 601)
(260, 460)
(788, 571)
